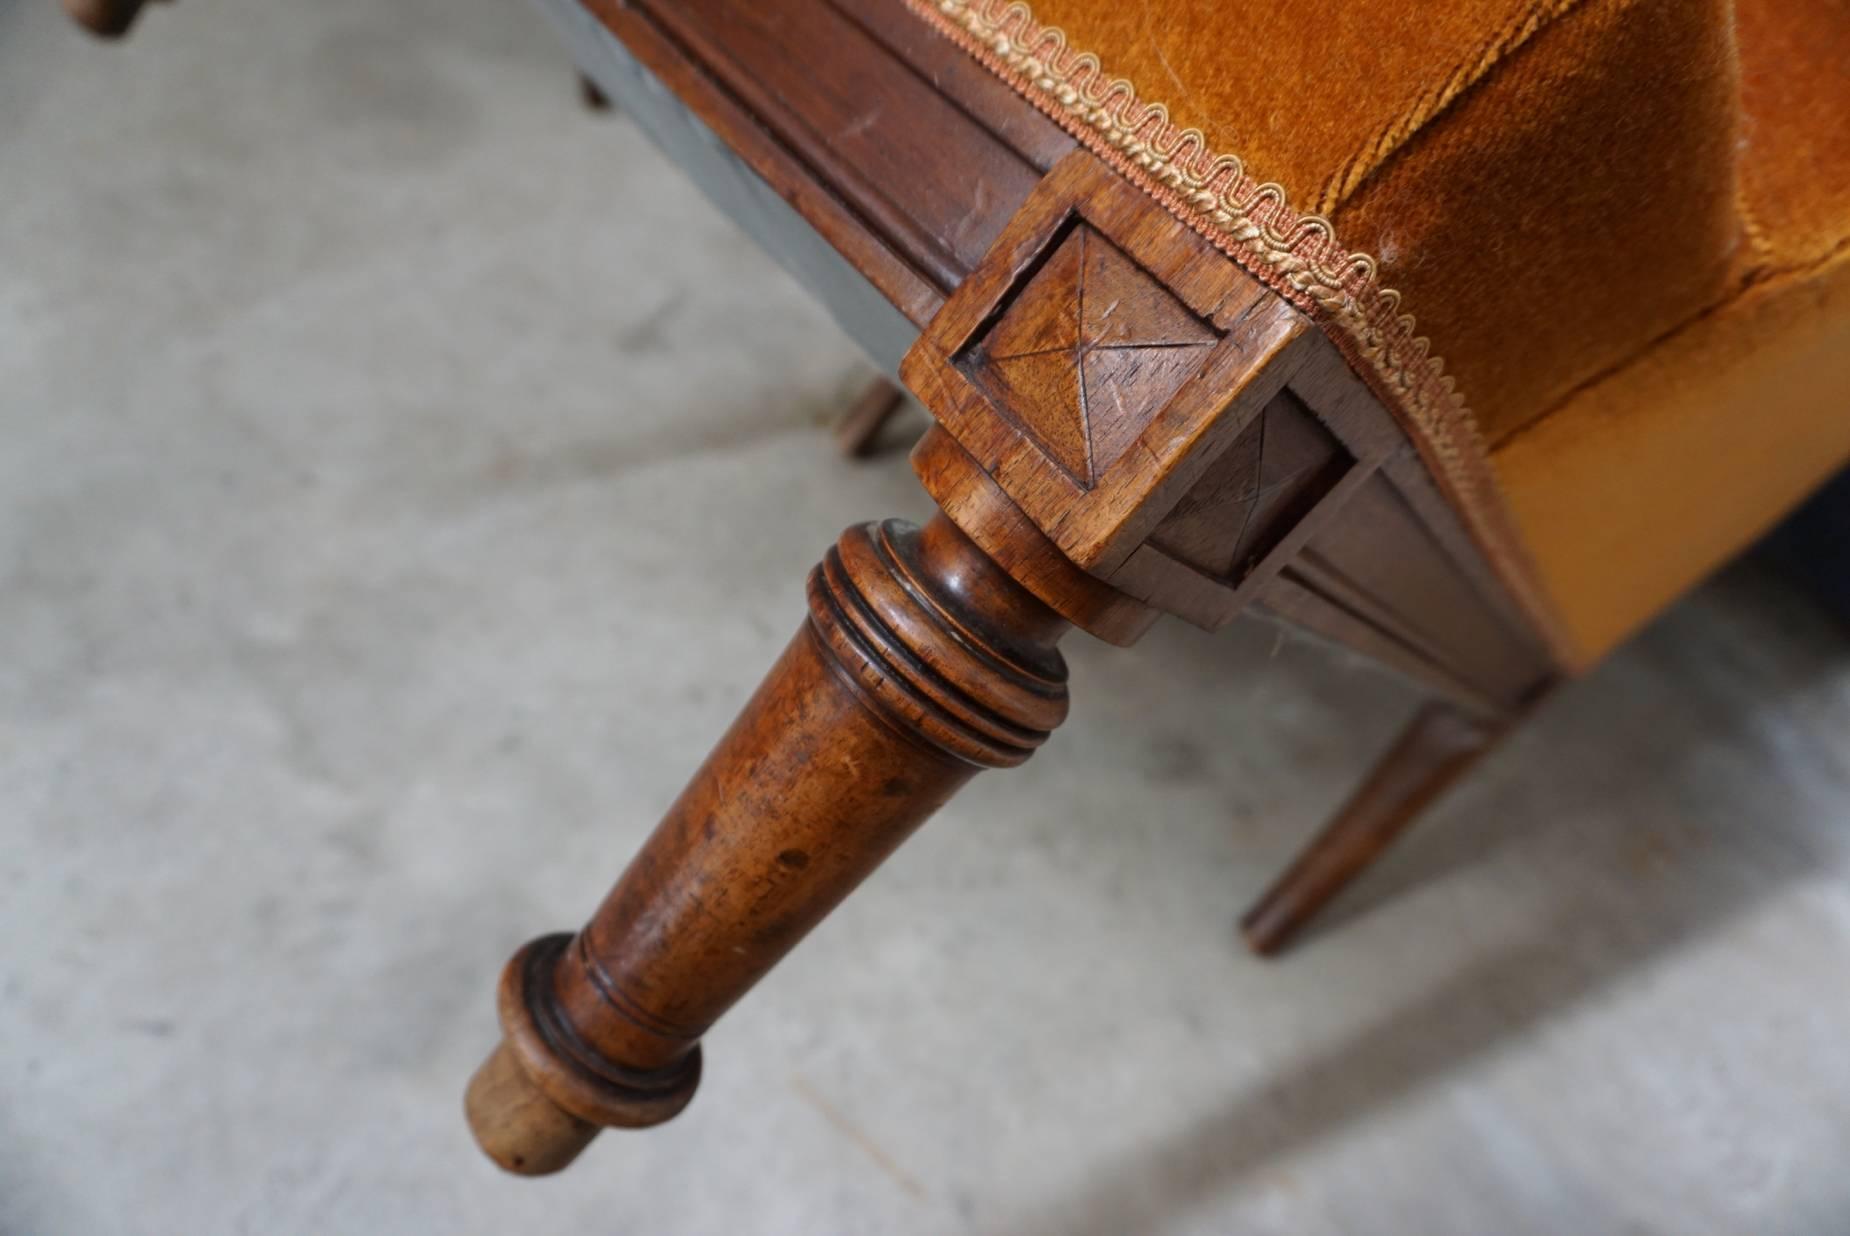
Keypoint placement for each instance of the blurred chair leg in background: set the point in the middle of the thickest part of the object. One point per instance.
(109, 19)
(1439, 746)
(594, 99)
(857, 433)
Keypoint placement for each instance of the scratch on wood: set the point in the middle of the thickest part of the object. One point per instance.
(1234, 327)
(978, 212)
(861, 124)
(847, 1128)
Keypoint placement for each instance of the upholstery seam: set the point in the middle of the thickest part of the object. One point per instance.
(1377, 151)
(1759, 246)
(1753, 281)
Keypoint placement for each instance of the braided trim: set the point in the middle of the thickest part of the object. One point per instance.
(1296, 255)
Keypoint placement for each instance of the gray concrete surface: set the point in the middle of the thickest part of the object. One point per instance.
(405, 476)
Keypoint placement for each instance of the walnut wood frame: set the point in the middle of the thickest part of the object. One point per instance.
(892, 175)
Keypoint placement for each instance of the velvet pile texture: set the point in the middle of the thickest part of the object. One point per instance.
(1622, 224)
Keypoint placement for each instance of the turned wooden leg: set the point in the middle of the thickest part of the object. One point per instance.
(921, 662)
(107, 18)
(859, 428)
(1436, 749)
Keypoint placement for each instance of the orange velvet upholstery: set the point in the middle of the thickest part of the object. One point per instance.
(1619, 223)
(1638, 484)
(1643, 482)
(1795, 127)
(1558, 169)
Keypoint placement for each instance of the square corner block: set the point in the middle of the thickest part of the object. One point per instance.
(1100, 361)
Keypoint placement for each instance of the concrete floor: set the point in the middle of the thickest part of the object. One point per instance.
(405, 477)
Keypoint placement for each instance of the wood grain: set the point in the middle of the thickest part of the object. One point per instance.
(1143, 420)
(1085, 354)
(922, 662)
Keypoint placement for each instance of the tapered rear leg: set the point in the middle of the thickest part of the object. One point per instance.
(593, 97)
(1440, 745)
(857, 432)
(106, 18)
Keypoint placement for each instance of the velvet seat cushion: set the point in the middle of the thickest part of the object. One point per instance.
(1618, 222)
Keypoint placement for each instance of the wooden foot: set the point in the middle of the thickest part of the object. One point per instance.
(107, 19)
(519, 1127)
(1440, 746)
(922, 662)
(859, 428)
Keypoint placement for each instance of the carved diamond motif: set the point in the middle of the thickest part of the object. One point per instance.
(1275, 471)
(1087, 353)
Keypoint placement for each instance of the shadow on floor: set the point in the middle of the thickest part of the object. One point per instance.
(1633, 886)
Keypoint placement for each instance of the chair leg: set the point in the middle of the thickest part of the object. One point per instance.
(107, 19)
(1436, 749)
(859, 428)
(591, 95)
(922, 662)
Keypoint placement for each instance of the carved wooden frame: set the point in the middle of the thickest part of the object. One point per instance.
(930, 653)
(1260, 341)
(886, 200)
(1266, 360)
